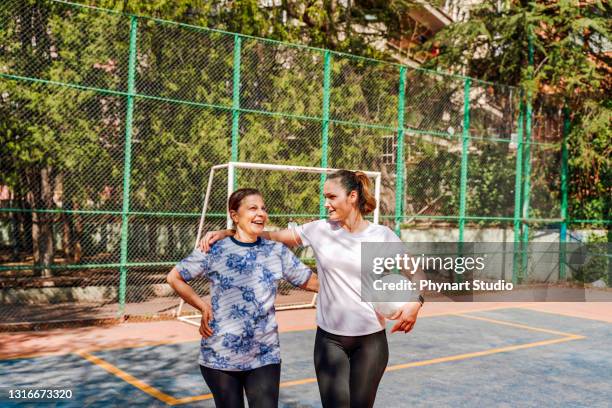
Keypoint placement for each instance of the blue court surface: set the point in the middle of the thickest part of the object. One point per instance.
(500, 358)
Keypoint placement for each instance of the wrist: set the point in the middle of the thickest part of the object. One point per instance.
(204, 304)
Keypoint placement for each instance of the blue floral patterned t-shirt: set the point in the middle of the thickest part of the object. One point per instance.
(244, 279)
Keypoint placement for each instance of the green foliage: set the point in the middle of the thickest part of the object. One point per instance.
(491, 179)
(432, 176)
(597, 261)
(570, 67)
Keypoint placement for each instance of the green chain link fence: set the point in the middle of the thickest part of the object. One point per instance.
(114, 121)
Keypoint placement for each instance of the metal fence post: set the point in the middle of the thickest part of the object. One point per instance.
(526, 189)
(465, 138)
(465, 144)
(527, 173)
(516, 259)
(325, 127)
(127, 165)
(399, 161)
(564, 194)
(236, 104)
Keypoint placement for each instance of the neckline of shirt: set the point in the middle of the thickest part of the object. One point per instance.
(246, 244)
(359, 234)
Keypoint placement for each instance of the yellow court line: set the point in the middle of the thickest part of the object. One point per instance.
(518, 325)
(482, 309)
(483, 353)
(535, 309)
(130, 379)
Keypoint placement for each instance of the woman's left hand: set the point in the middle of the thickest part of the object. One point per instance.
(406, 317)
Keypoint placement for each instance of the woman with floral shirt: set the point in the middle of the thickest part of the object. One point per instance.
(240, 351)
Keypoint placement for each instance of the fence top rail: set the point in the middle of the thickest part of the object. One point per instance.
(283, 167)
(295, 45)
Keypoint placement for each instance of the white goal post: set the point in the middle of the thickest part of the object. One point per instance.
(231, 178)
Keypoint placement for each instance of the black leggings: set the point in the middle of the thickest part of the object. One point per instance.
(228, 387)
(349, 368)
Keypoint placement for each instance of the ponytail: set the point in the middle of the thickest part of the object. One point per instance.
(367, 201)
(359, 182)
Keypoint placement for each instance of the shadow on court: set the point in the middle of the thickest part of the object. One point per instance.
(508, 357)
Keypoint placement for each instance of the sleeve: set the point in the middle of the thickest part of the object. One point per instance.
(402, 250)
(194, 265)
(294, 271)
(390, 236)
(307, 231)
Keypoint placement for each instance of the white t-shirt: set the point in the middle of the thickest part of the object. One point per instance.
(338, 254)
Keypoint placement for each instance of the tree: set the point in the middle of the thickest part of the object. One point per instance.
(57, 137)
(571, 66)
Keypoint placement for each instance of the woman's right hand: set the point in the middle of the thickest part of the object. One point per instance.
(211, 237)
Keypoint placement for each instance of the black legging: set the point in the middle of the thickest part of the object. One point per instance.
(349, 368)
(228, 387)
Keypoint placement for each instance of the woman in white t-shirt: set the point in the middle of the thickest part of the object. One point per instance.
(351, 350)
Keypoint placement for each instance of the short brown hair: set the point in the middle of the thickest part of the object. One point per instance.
(237, 196)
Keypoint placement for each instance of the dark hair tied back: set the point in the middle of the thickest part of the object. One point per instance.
(359, 182)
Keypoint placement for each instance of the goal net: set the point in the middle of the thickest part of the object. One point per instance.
(293, 196)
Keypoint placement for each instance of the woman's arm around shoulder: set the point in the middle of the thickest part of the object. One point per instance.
(287, 236)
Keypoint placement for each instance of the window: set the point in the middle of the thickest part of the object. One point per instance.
(389, 149)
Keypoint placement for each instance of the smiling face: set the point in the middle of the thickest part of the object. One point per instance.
(251, 216)
(338, 203)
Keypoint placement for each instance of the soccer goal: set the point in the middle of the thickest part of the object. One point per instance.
(293, 195)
